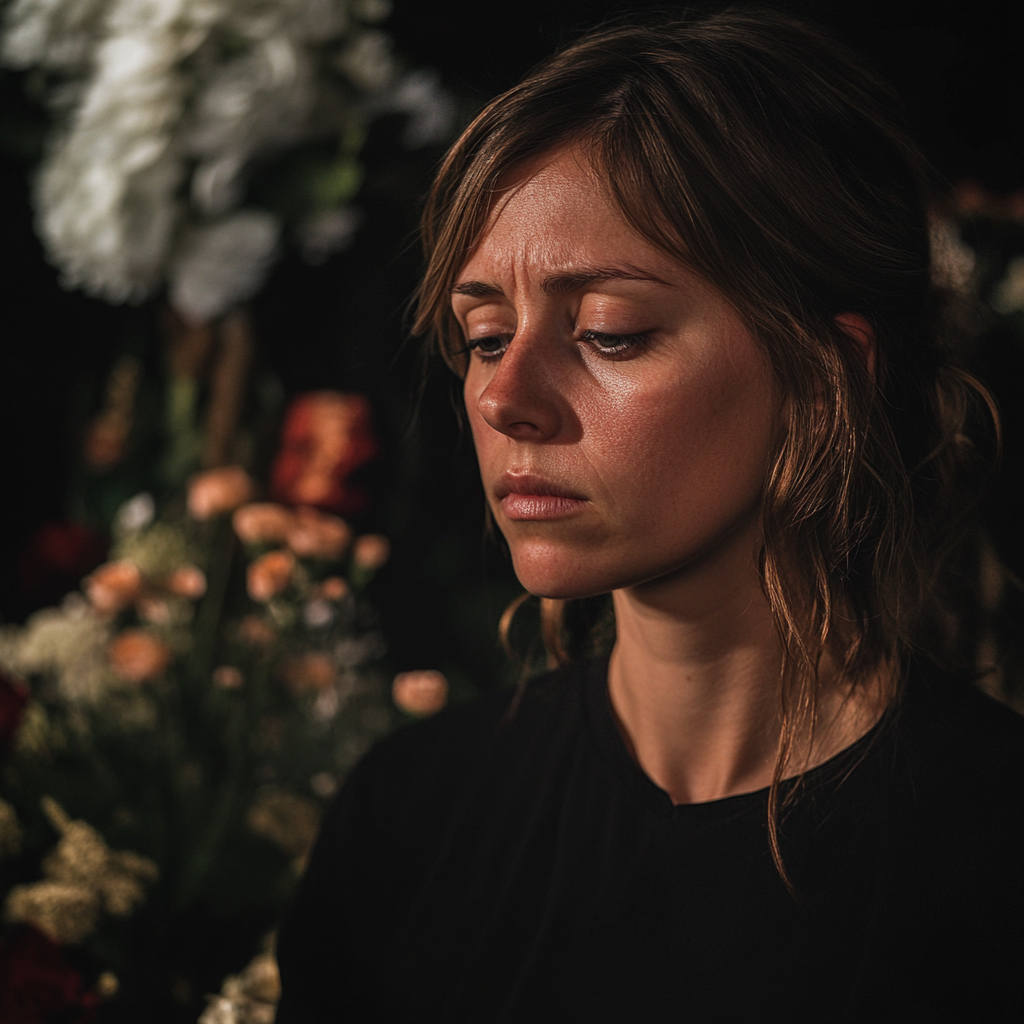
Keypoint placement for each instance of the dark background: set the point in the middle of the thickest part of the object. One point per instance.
(344, 324)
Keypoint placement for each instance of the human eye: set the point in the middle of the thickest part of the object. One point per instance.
(488, 348)
(615, 344)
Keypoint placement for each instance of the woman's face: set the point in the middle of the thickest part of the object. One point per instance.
(622, 413)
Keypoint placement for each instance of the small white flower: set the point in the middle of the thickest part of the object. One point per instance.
(1008, 294)
(135, 514)
(368, 61)
(222, 264)
(326, 233)
(318, 614)
(953, 263)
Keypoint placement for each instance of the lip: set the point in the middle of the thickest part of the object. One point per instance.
(526, 496)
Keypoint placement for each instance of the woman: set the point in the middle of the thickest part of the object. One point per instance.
(684, 272)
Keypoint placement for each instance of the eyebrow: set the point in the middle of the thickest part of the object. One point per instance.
(561, 283)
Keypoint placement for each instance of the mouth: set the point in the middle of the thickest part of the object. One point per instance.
(525, 496)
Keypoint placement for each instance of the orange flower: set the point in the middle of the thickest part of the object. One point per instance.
(318, 535)
(371, 551)
(254, 630)
(270, 575)
(218, 491)
(136, 655)
(113, 587)
(334, 588)
(262, 522)
(420, 693)
(308, 673)
(187, 581)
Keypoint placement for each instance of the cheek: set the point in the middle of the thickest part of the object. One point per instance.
(686, 441)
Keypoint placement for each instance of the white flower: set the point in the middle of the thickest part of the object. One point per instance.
(953, 262)
(54, 34)
(220, 265)
(150, 100)
(431, 110)
(135, 514)
(68, 642)
(1008, 294)
(368, 61)
(326, 233)
(256, 103)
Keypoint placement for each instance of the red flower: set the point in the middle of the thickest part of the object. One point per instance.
(13, 698)
(38, 985)
(326, 437)
(55, 558)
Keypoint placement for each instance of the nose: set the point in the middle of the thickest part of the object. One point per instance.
(524, 399)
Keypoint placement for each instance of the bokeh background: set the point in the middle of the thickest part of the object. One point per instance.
(339, 323)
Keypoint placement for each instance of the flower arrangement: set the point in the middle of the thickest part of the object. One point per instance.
(164, 109)
(182, 717)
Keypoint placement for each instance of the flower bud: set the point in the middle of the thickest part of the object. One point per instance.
(218, 491)
(137, 656)
(262, 522)
(420, 693)
(113, 587)
(318, 535)
(270, 575)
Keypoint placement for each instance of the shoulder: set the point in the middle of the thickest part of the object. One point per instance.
(953, 722)
(964, 784)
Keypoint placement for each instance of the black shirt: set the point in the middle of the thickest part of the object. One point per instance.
(488, 867)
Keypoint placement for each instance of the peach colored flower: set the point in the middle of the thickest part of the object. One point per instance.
(318, 535)
(228, 677)
(218, 491)
(308, 673)
(262, 522)
(420, 693)
(371, 551)
(256, 631)
(136, 655)
(154, 609)
(334, 588)
(187, 581)
(113, 587)
(269, 575)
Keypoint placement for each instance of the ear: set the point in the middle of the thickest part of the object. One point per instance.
(863, 334)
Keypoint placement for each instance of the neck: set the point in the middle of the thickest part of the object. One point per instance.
(694, 682)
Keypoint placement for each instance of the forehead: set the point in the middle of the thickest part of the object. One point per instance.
(555, 214)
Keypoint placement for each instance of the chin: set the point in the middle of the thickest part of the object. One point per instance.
(560, 575)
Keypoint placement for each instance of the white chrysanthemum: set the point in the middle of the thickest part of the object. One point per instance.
(56, 35)
(220, 265)
(106, 192)
(256, 103)
(162, 121)
(368, 61)
(419, 95)
(1008, 294)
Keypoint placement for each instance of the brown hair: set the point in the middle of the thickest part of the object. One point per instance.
(767, 158)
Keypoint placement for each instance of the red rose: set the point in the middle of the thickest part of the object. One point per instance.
(38, 984)
(55, 558)
(326, 437)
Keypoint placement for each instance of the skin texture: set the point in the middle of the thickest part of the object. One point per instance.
(633, 466)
